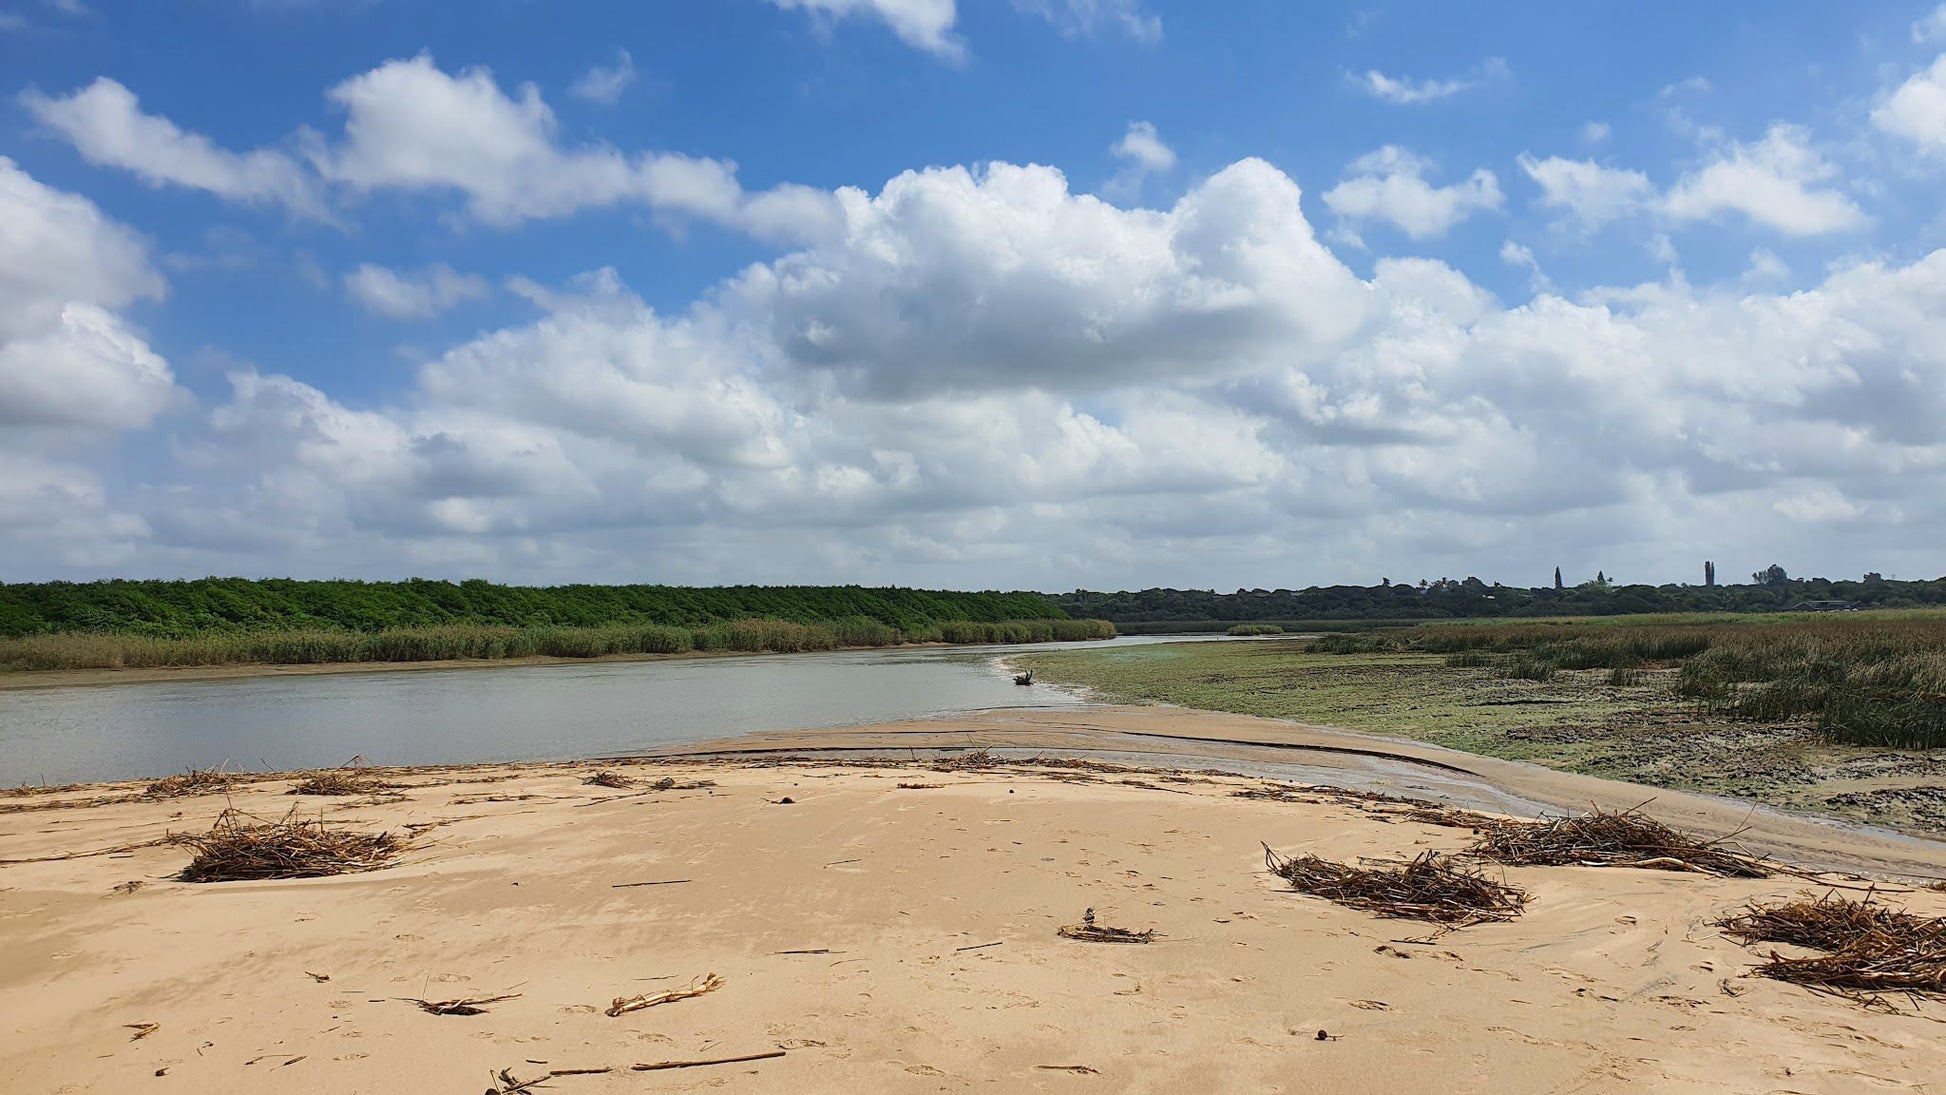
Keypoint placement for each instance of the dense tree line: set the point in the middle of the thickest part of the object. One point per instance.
(1472, 598)
(217, 605)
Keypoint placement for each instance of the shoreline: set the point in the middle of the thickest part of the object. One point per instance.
(887, 926)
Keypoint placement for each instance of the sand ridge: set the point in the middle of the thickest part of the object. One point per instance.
(883, 937)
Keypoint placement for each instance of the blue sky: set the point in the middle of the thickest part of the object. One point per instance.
(998, 292)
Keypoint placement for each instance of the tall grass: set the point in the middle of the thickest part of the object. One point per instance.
(1863, 680)
(92, 650)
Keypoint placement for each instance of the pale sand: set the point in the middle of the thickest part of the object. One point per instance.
(1612, 981)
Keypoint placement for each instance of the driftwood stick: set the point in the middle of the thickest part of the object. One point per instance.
(659, 1065)
(665, 882)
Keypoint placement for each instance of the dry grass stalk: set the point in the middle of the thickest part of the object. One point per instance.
(625, 1004)
(1870, 949)
(669, 783)
(1090, 932)
(194, 781)
(337, 781)
(1625, 838)
(613, 780)
(505, 1084)
(142, 1030)
(1432, 888)
(472, 1006)
(241, 847)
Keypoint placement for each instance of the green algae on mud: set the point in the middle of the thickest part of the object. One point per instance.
(1575, 721)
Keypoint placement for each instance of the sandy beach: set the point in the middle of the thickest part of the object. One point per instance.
(893, 927)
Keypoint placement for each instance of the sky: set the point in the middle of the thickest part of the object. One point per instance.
(1045, 294)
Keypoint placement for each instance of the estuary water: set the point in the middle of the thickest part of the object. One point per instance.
(494, 713)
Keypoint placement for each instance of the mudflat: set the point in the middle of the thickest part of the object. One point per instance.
(892, 924)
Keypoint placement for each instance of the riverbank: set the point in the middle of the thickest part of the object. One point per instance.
(1575, 720)
(891, 927)
(84, 678)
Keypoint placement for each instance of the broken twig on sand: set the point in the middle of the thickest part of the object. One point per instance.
(659, 1065)
(1090, 932)
(472, 1006)
(625, 1004)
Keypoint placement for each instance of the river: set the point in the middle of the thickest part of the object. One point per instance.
(493, 713)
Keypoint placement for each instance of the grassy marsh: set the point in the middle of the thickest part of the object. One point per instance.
(1622, 722)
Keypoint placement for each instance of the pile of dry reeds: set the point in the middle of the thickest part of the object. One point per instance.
(1433, 887)
(1625, 838)
(1870, 949)
(613, 780)
(973, 760)
(194, 781)
(338, 781)
(240, 847)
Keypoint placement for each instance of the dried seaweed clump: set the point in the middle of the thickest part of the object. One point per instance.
(613, 780)
(337, 781)
(1433, 887)
(241, 847)
(1871, 949)
(1626, 838)
(194, 781)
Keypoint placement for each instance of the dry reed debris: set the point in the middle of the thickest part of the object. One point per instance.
(1623, 838)
(242, 847)
(614, 780)
(1871, 949)
(193, 781)
(625, 1004)
(336, 781)
(1433, 888)
(1090, 932)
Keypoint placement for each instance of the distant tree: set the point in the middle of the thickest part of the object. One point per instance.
(1709, 573)
(1772, 575)
(1557, 577)
(1874, 576)
(1600, 578)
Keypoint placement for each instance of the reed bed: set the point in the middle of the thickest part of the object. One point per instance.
(240, 847)
(1435, 888)
(91, 650)
(1870, 950)
(1625, 838)
(1860, 680)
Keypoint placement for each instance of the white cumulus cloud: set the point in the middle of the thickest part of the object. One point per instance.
(1916, 110)
(413, 295)
(1390, 185)
(106, 124)
(1586, 191)
(923, 24)
(604, 84)
(1780, 182)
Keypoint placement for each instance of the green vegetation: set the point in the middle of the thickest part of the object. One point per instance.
(1247, 630)
(1447, 599)
(226, 621)
(184, 608)
(1800, 712)
(1861, 678)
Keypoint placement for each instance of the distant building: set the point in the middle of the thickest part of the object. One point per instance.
(1824, 606)
(1709, 573)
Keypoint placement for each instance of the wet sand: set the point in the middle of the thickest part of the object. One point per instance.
(924, 919)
